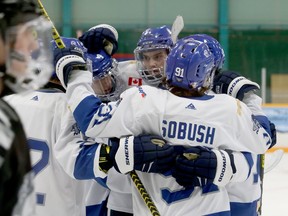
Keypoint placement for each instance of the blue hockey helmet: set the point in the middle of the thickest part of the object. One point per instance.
(158, 42)
(214, 46)
(190, 64)
(158, 37)
(106, 83)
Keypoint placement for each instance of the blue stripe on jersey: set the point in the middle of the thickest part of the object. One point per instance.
(82, 117)
(249, 160)
(99, 209)
(50, 90)
(240, 209)
(84, 164)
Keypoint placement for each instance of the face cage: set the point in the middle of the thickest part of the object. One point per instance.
(153, 76)
(117, 87)
(29, 55)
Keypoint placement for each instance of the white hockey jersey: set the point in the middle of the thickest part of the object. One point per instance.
(54, 141)
(181, 121)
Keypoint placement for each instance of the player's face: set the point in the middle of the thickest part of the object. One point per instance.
(154, 59)
(103, 85)
(22, 44)
(28, 52)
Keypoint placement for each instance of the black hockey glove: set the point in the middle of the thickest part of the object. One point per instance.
(146, 153)
(232, 83)
(69, 58)
(100, 37)
(198, 166)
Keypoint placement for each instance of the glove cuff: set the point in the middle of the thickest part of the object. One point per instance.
(124, 157)
(224, 171)
(236, 85)
(64, 61)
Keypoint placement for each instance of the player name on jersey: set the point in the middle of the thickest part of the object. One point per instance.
(185, 130)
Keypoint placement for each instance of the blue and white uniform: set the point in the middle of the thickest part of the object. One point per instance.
(55, 144)
(148, 110)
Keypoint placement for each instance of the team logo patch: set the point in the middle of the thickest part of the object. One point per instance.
(132, 81)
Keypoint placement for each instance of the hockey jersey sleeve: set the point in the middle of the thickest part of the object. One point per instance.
(73, 151)
(94, 117)
(249, 132)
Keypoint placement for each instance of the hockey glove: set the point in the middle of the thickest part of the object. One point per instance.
(100, 37)
(105, 162)
(146, 153)
(69, 58)
(232, 83)
(198, 166)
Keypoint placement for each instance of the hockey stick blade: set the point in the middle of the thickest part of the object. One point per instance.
(273, 161)
(177, 27)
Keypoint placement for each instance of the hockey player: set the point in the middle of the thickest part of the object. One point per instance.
(21, 69)
(242, 202)
(245, 202)
(151, 53)
(55, 143)
(129, 116)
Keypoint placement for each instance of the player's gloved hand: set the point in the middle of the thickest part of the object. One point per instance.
(146, 153)
(198, 165)
(232, 83)
(105, 162)
(100, 37)
(72, 57)
(273, 134)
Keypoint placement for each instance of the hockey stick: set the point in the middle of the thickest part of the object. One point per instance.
(266, 167)
(177, 27)
(144, 194)
(273, 161)
(55, 34)
(262, 164)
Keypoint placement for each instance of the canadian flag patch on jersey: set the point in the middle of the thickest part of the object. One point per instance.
(132, 81)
